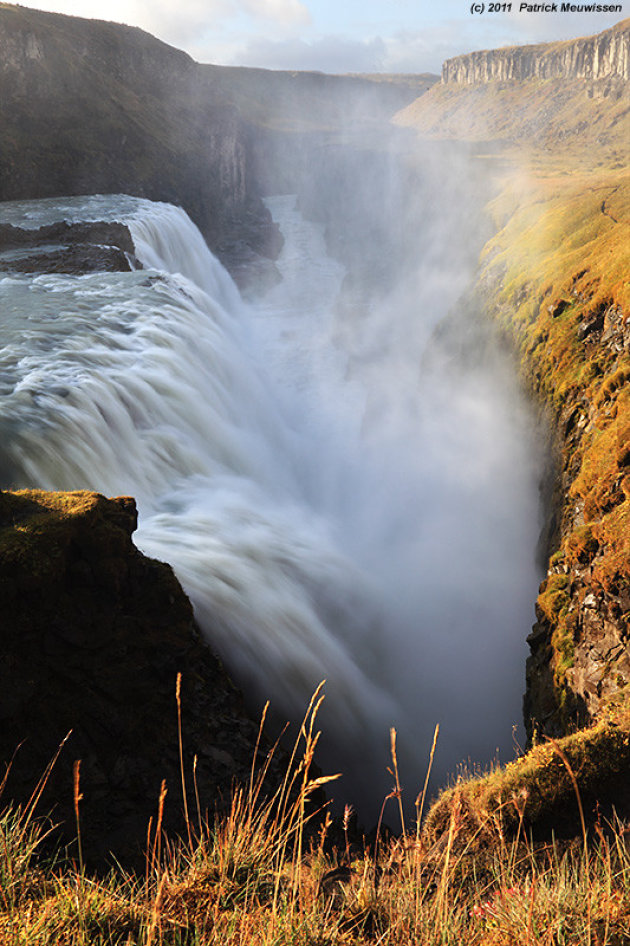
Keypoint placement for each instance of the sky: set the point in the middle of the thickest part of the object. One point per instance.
(339, 36)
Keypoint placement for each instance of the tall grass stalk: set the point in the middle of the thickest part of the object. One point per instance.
(250, 878)
(77, 796)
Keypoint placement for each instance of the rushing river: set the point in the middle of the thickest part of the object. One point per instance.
(337, 503)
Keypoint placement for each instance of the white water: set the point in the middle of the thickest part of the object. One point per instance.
(332, 511)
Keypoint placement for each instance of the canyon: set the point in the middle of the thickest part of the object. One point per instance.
(551, 286)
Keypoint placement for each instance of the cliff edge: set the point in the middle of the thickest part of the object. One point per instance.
(604, 56)
(94, 634)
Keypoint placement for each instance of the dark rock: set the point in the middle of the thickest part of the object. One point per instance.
(92, 639)
(76, 260)
(558, 308)
(75, 248)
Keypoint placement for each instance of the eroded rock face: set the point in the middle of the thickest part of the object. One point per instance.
(93, 635)
(604, 56)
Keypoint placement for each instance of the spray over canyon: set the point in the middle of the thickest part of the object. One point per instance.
(344, 492)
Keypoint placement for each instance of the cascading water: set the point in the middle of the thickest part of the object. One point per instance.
(332, 511)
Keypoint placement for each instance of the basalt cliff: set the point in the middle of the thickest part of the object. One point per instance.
(605, 56)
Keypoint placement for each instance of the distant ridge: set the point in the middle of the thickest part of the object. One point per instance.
(606, 55)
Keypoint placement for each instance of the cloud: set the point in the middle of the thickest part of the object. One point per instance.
(333, 54)
(189, 22)
(545, 28)
(278, 11)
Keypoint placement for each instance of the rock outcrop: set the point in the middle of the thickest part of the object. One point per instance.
(604, 56)
(93, 637)
(76, 248)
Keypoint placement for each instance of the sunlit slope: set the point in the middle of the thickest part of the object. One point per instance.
(587, 122)
(554, 280)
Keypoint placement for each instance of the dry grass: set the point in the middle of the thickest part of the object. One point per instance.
(268, 873)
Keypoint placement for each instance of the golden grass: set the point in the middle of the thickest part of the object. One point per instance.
(555, 279)
(252, 878)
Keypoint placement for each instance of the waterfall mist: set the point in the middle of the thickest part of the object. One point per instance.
(344, 492)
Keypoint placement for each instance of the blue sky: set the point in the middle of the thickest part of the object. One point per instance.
(335, 35)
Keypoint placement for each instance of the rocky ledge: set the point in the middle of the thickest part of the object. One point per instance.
(93, 636)
(74, 248)
(604, 56)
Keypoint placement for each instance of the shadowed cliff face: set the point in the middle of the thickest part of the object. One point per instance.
(604, 56)
(91, 107)
(93, 636)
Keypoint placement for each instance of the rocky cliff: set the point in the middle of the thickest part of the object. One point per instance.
(604, 56)
(93, 637)
(553, 132)
(90, 107)
(554, 282)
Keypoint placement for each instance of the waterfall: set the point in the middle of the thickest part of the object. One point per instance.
(332, 511)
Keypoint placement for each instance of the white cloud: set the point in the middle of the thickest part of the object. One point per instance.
(333, 54)
(278, 11)
(184, 23)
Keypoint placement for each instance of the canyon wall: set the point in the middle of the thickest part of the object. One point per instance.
(604, 56)
(88, 106)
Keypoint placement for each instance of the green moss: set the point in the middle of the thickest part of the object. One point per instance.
(554, 598)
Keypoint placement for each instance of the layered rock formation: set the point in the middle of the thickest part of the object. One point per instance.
(604, 56)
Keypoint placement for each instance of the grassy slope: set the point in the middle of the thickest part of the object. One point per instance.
(554, 279)
(252, 878)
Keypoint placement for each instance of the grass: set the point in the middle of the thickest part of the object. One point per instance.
(554, 279)
(276, 871)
